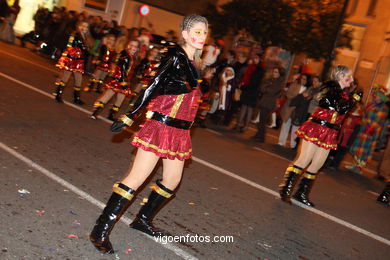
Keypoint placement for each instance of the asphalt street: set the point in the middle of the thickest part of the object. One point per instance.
(57, 168)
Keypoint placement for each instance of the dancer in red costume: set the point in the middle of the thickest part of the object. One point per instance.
(172, 99)
(319, 134)
(73, 61)
(119, 82)
(103, 62)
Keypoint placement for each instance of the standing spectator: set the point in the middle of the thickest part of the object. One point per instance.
(7, 33)
(374, 118)
(122, 39)
(226, 88)
(269, 91)
(299, 115)
(250, 91)
(212, 52)
(319, 135)
(144, 40)
(314, 93)
(297, 87)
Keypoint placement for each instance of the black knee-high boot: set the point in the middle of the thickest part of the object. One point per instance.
(116, 206)
(59, 89)
(143, 221)
(114, 109)
(384, 196)
(76, 96)
(90, 85)
(290, 179)
(98, 106)
(302, 194)
(98, 86)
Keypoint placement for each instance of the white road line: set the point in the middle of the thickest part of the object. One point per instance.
(270, 153)
(258, 186)
(29, 61)
(374, 193)
(86, 196)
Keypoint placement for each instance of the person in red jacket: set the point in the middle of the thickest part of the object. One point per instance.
(172, 100)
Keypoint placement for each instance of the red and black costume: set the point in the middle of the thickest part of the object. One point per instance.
(324, 123)
(172, 99)
(321, 129)
(73, 58)
(123, 71)
(105, 58)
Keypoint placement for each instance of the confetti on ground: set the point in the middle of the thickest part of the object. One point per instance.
(30, 170)
(73, 236)
(66, 190)
(52, 249)
(117, 256)
(15, 147)
(76, 224)
(73, 213)
(191, 203)
(266, 245)
(144, 200)
(206, 213)
(23, 192)
(214, 188)
(251, 228)
(128, 250)
(40, 212)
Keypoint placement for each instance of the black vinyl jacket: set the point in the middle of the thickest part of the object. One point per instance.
(175, 75)
(335, 98)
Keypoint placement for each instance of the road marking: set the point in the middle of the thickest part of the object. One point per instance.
(86, 196)
(376, 194)
(26, 60)
(246, 181)
(271, 153)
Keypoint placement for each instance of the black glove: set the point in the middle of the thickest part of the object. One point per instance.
(117, 126)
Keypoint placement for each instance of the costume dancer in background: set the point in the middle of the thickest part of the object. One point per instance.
(172, 98)
(73, 61)
(319, 134)
(119, 81)
(103, 62)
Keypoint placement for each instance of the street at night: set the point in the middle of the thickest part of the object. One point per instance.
(58, 167)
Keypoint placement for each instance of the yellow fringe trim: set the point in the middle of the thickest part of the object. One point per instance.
(154, 147)
(316, 141)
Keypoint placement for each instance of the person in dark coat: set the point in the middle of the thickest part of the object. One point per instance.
(269, 90)
(250, 90)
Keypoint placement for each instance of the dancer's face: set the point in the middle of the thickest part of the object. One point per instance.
(346, 79)
(196, 35)
(132, 47)
(83, 28)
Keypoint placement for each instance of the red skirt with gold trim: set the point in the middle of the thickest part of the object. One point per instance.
(165, 141)
(318, 134)
(118, 87)
(74, 64)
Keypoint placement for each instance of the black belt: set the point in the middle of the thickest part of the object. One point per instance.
(170, 121)
(325, 123)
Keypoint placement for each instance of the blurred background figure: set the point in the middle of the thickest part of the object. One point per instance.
(374, 118)
(7, 33)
